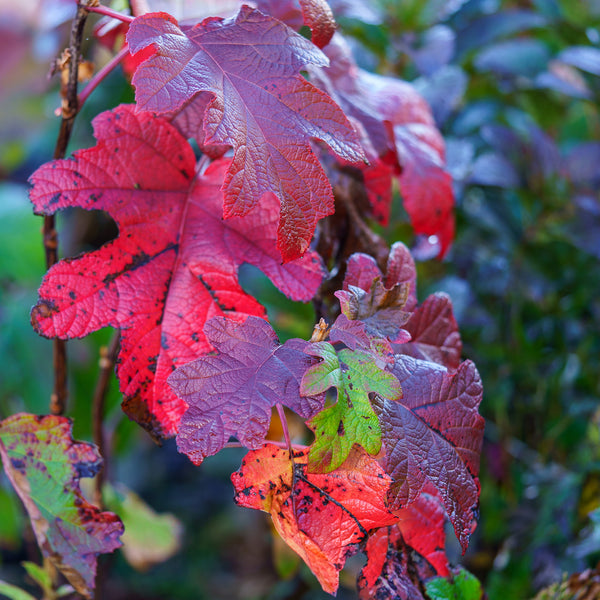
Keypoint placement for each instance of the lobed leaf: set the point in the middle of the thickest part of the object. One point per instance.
(315, 14)
(434, 435)
(239, 79)
(173, 266)
(351, 420)
(362, 270)
(232, 393)
(323, 517)
(400, 557)
(44, 465)
(401, 130)
(434, 333)
(373, 306)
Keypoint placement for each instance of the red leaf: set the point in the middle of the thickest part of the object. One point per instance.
(425, 184)
(402, 556)
(315, 14)
(318, 16)
(232, 393)
(260, 105)
(373, 306)
(173, 266)
(377, 178)
(434, 434)
(434, 332)
(44, 465)
(362, 269)
(322, 517)
(398, 123)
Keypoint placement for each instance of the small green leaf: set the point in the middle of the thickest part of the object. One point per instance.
(39, 575)
(463, 586)
(11, 519)
(64, 590)
(149, 538)
(320, 377)
(351, 420)
(12, 592)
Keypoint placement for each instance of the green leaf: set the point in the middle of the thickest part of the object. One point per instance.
(12, 592)
(44, 465)
(351, 420)
(64, 590)
(150, 538)
(11, 518)
(463, 586)
(39, 575)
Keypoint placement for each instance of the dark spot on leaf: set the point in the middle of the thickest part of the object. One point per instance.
(18, 464)
(137, 410)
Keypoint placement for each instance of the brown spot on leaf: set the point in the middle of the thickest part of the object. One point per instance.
(137, 410)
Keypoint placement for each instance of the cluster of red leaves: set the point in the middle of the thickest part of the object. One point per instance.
(405, 425)
(396, 453)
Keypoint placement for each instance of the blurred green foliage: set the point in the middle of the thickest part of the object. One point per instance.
(515, 89)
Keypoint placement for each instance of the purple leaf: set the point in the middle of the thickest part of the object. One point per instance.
(494, 169)
(260, 105)
(433, 434)
(232, 393)
(434, 333)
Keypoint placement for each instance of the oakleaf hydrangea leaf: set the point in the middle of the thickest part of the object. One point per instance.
(434, 333)
(351, 420)
(401, 556)
(362, 270)
(173, 266)
(232, 393)
(315, 14)
(434, 435)
(323, 517)
(402, 132)
(44, 465)
(260, 105)
(375, 307)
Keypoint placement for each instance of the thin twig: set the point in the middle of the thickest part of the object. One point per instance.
(70, 108)
(108, 357)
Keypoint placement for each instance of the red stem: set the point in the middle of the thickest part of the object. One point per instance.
(102, 74)
(284, 425)
(109, 12)
(298, 447)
